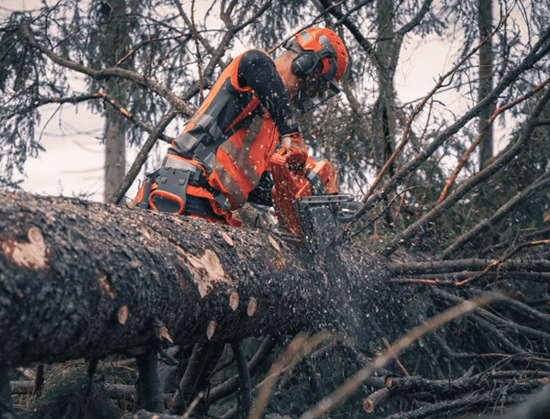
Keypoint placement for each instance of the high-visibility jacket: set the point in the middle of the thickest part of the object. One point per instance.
(231, 139)
(226, 146)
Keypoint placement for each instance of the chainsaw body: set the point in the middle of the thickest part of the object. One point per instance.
(307, 203)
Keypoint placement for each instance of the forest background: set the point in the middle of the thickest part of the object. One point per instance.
(451, 163)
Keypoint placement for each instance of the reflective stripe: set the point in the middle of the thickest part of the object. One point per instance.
(231, 186)
(241, 157)
(209, 162)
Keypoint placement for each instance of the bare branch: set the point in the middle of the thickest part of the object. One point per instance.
(304, 27)
(298, 348)
(400, 34)
(141, 157)
(49, 101)
(350, 11)
(420, 268)
(450, 279)
(259, 13)
(478, 139)
(363, 42)
(180, 105)
(199, 58)
(226, 388)
(415, 112)
(139, 46)
(353, 383)
(189, 24)
(527, 236)
(142, 124)
(497, 320)
(502, 212)
(541, 48)
(495, 166)
(244, 378)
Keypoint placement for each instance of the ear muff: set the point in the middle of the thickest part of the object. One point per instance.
(305, 63)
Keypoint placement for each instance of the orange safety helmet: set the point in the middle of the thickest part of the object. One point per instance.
(315, 46)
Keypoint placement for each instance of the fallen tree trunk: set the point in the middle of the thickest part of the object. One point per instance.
(83, 280)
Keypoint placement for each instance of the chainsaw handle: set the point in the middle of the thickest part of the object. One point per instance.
(281, 158)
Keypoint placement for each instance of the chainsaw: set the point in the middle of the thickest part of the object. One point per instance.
(307, 203)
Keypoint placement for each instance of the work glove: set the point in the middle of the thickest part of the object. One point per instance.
(296, 151)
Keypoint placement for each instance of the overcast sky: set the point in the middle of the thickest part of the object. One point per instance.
(73, 161)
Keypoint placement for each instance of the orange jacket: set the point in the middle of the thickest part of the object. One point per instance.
(234, 168)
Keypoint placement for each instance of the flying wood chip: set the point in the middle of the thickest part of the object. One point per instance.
(274, 243)
(227, 239)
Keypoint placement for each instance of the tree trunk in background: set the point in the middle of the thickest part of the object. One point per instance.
(485, 22)
(383, 111)
(115, 155)
(114, 48)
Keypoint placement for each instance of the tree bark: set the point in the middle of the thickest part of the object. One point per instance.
(115, 156)
(383, 110)
(82, 280)
(114, 47)
(485, 86)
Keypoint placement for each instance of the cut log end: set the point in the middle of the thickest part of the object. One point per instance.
(252, 306)
(368, 406)
(370, 403)
(234, 301)
(211, 329)
(164, 335)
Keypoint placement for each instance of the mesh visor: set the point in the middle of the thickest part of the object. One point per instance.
(311, 95)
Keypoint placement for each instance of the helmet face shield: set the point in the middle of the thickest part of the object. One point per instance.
(310, 95)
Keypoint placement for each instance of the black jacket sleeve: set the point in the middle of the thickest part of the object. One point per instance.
(257, 70)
